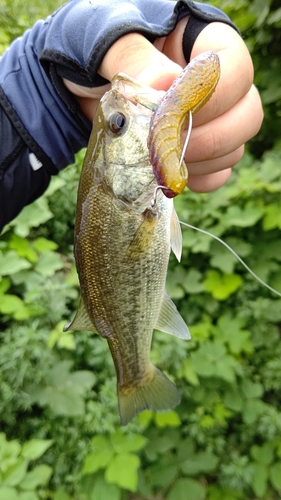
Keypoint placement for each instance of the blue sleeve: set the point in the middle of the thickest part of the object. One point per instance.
(81, 33)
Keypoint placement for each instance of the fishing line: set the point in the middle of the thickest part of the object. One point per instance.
(235, 255)
(187, 138)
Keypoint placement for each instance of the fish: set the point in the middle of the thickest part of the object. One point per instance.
(124, 231)
(189, 93)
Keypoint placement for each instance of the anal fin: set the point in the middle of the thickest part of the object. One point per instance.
(81, 320)
(170, 320)
(176, 235)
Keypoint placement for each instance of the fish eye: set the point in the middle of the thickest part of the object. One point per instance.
(116, 122)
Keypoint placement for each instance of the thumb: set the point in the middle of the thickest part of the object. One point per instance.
(134, 55)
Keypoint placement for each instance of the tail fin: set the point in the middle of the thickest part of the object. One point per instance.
(154, 392)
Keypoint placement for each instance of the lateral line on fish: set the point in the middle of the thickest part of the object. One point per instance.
(263, 283)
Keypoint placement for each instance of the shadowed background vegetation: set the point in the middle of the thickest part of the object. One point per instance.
(59, 428)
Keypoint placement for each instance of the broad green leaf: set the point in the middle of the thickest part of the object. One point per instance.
(263, 454)
(193, 282)
(242, 217)
(272, 218)
(15, 474)
(259, 480)
(48, 263)
(104, 491)
(98, 459)
(10, 304)
(35, 448)
(188, 372)
(23, 248)
(233, 399)
(44, 245)
(198, 463)
(252, 389)
(32, 216)
(275, 475)
(123, 471)
(252, 409)
(124, 443)
(167, 419)
(162, 475)
(61, 495)
(184, 489)
(7, 493)
(222, 285)
(28, 495)
(39, 476)
(11, 263)
(211, 359)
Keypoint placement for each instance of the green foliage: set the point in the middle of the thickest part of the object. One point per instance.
(61, 438)
(19, 480)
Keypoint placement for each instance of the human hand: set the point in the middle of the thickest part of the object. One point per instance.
(231, 117)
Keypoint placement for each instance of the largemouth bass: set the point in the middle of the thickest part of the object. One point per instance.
(122, 246)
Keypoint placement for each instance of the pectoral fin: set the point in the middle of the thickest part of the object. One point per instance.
(176, 235)
(144, 237)
(81, 320)
(170, 320)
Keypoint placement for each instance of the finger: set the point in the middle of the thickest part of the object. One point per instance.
(210, 182)
(236, 68)
(216, 165)
(227, 132)
(137, 57)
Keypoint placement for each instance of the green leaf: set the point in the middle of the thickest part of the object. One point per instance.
(7, 493)
(44, 245)
(10, 304)
(223, 285)
(105, 491)
(198, 463)
(123, 471)
(48, 263)
(23, 248)
(162, 474)
(275, 475)
(263, 454)
(272, 218)
(15, 474)
(242, 217)
(124, 443)
(259, 480)
(233, 399)
(28, 495)
(35, 448)
(39, 476)
(252, 409)
(167, 419)
(98, 459)
(193, 282)
(188, 372)
(184, 489)
(11, 263)
(211, 359)
(32, 216)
